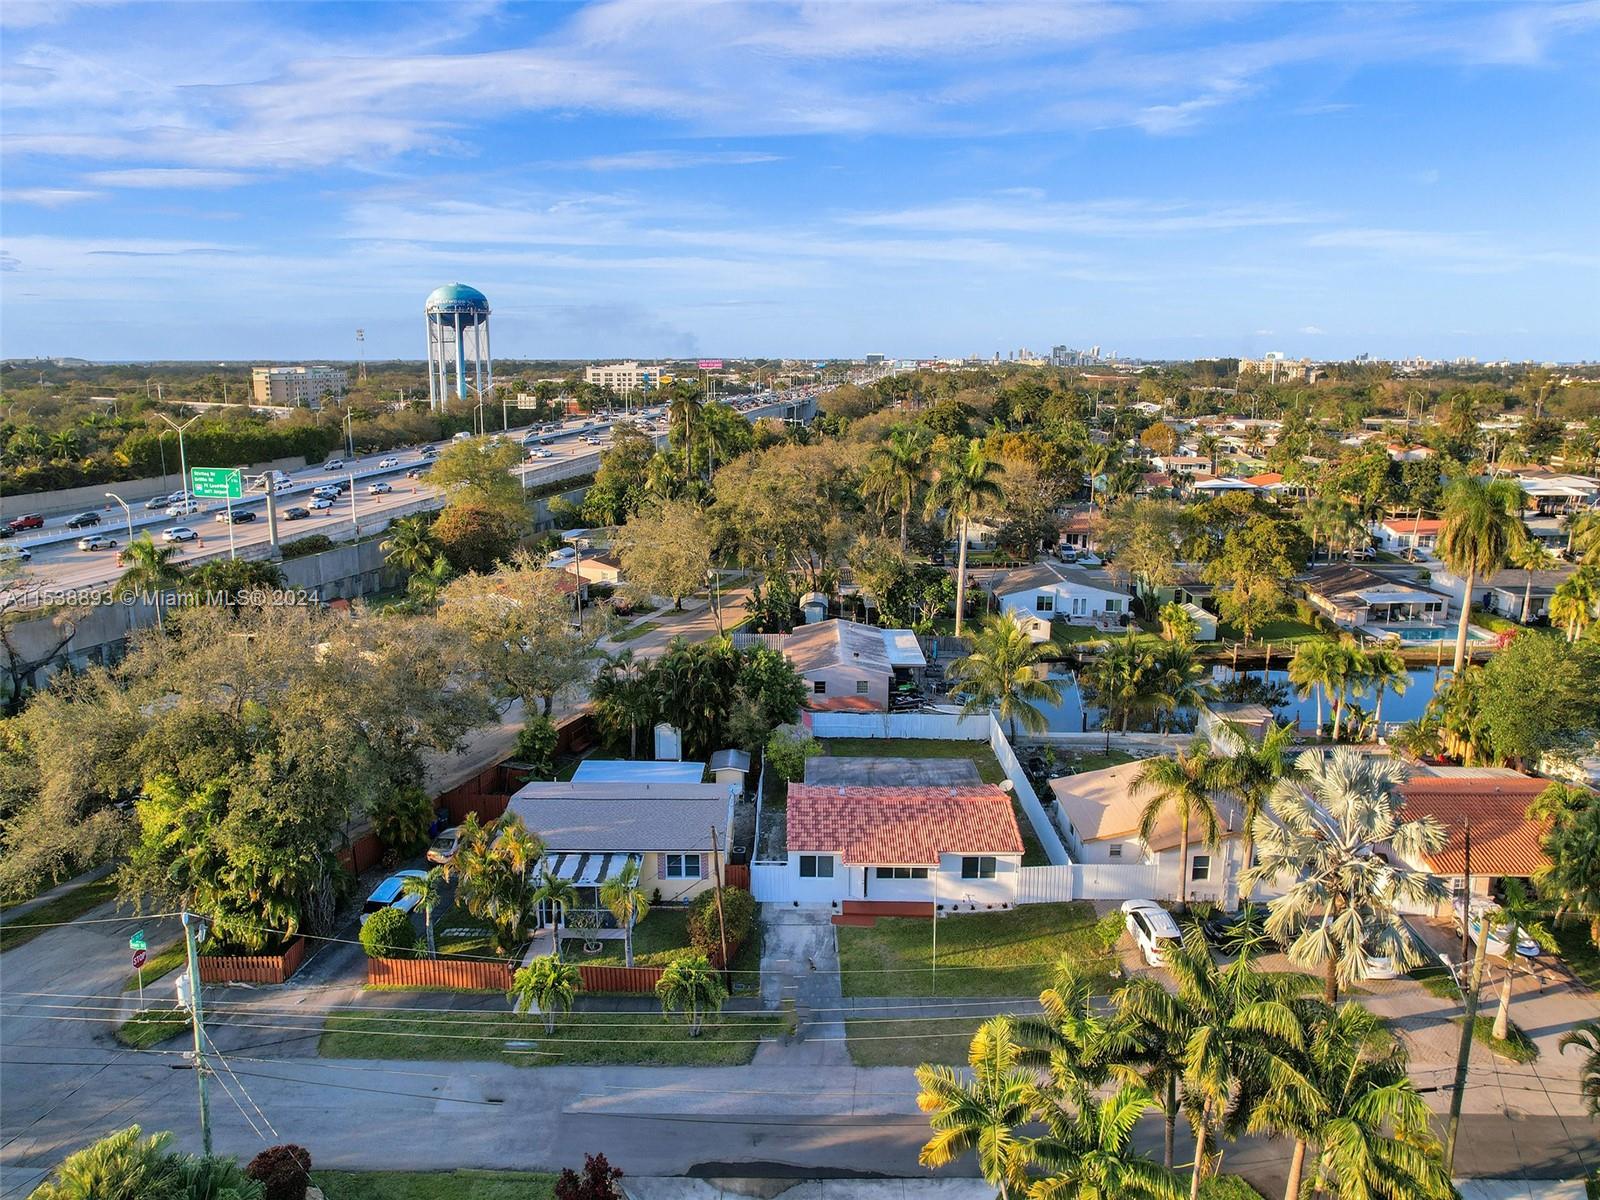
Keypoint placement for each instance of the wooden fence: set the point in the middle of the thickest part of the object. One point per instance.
(736, 875)
(468, 975)
(619, 979)
(253, 968)
(366, 851)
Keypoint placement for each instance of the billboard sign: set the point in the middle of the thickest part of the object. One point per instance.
(711, 364)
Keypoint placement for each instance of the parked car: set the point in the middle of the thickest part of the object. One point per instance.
(333, 464)
(444, 847)
(1152, 927)
(295, 513)
(83, 520)
(240, 516)
(1500, 937)
(385, 463)
(379, 489)
(97, 541)
(179, 533)
(387, 894)
(319, 503)
(31, 521)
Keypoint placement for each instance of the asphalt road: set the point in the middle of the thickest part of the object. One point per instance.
(59, 566)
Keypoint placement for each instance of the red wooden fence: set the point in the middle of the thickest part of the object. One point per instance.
(463, 974)
(364, 852)
(253, 968)
(736, 875)
(619, 979)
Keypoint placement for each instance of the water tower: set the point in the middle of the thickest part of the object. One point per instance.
(458, 332)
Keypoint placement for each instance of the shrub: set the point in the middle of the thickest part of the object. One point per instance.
(738, 913)
(316, 543)
(389, 933)
(401, 819)
(1108, 931)
(284, 1172)
(598, 1181)
(536, 746)
(787, 752)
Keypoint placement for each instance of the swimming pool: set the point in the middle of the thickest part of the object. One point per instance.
(1424, 633)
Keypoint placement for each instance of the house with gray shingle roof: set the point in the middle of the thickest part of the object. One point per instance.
(1048, 590)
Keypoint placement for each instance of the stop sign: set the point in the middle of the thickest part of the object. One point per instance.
(138, 959)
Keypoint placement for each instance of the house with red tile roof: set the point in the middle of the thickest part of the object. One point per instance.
(958, 848)
(1399, 534)
(1494, 802)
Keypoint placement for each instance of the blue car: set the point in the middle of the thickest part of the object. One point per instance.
(387, 894)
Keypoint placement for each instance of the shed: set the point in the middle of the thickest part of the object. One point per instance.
(730, 767)
(814, 607)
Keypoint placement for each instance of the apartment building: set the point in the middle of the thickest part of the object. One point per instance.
(289, 386)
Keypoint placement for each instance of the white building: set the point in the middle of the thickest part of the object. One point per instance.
(1051, 590)
(621, 377)
(296, 385)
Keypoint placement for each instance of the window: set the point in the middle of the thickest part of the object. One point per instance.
(1113, 606)
(1114, 850)
(861, 687)
(902, 872)
(1200, 867)
(683, 866)
(978, 867)
(1044, 602)
(816, 866)
(819, 687)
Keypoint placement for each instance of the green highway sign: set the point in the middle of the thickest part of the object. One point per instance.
(216, 483)
(137, 942)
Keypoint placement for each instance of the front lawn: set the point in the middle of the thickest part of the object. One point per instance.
(66, 907)
(157, 965)
(434, 1185)
(1011, 953)
(458, 932)
(1518, 1046)
(152, 1027)
(636, 631)
(910, 1042)
(589, 1038)
(659, 939)
(1578, 952)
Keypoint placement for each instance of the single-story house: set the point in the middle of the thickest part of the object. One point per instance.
(1402, 453)
(1216, 716)
(1504, 591)
(1505, 843)
(1216, 485)
(1400, 534)
(1173, 463)
(599, 568)
(1078, 532)
(1271, 482)
(955, 847)
(592, 830)
(1353, 596)
(1187, 588)
(849, 666)
(1050, 590)
(1098, 811)
(1552, 491)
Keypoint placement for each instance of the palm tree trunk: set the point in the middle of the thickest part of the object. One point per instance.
(627, 941)
(427, 924)
(961, 577)
(1330, 981)
(1461, 626)
(1502, 1016)
(1527, 596)
(1171, 1115)
(1199, 1154)
(1296, 1166)
(905, 518)
(1377, 710)
(1183, 863)
(1318, 690)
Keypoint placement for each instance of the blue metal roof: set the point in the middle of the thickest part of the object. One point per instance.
(456, 295)
(617, 770)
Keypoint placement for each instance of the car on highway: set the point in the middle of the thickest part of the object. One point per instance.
(539, 452)
(318, 503)
(463, 436)
(31, 521)
(83, 520)
(327, 490)
(1152, 927)
(385, 463)
(387, 894)
(183, 508)
(414, 473)
(379, 489)
(242, 516)
(179, 533)
(156, 502)
(22, 554)
(591, 440)
(429, 452)
(295, 513)
(97, 541)
(179, 497)
(333, 464)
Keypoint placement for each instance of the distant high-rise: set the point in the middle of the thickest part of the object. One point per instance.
(458, 332)
(289, 386)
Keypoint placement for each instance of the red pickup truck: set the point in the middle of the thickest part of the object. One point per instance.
(31, 521)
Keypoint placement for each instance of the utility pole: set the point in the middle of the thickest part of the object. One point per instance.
(1464, 1052)
(722, 927)
(190, 923)
(1466, 889)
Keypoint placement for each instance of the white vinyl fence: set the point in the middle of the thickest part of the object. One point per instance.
(1102, 881)
(939, 726)
(770, 884)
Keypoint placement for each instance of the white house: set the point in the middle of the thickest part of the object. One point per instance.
(1051, 590)
(957, 848)
(1099, 813)
(1400, 534)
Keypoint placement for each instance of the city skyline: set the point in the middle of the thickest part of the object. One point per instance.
(627, 180)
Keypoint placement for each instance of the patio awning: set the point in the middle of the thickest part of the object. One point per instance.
(1398, 596)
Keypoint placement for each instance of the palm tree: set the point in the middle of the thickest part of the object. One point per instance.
(119, 1166)
(1176, 623)
(151, 571)
(1251, 770)
(1571, 877)
(1003, 672)
(1310, 669)
(429, 890)
(1481, 524)
(1346, 666)
(1088, 1150)
(559, 895)
(689, 985)
(1181, 681)
(624, 696)
(1184, 783)
(965, 483)
(895, 472)
(410, 545)
(1153, 1057)
(1529, 556)
(1122, 682)
(1523, 914)
(1583, 537)
(627, 903)
(425, 586)
(1356, 1112)
(1573, 603)
(684, 409)
(1340, 838)
(63, 445)
(548, 985)
(982, 1113)
(1586, 1037)
(1385, 670)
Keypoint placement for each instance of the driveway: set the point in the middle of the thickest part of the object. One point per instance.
(800, 964)
(827, 771)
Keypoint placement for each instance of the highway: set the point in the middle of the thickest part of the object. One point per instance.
(57, 567)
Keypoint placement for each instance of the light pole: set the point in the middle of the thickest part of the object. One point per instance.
(183, 462)
(128, 512)
(350, 430)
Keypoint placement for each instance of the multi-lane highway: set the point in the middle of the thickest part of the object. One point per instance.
(54, 562)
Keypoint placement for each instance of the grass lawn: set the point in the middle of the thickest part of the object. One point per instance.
(910, 1042)
(434, 1185)
(1283, 629)
(459, 932)
(1065, 633)
(158, 964)
(1437, 980)
(592, 1038)
(151, 1027)
(636, 631)
(659, 939)
(1518, 1047)
(980, 954)
(63, 908)
(1578, 952)
(1099, 762)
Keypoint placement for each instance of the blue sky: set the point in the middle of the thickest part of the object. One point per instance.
(649, 177)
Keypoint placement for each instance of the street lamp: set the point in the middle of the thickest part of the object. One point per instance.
(126, 510)
(350, 430)
(183, 462)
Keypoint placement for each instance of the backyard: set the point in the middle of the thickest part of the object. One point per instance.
(1011, 953)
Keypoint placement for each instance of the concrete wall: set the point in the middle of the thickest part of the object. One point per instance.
(134, 491)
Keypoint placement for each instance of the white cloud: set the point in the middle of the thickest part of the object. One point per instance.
(669, 160)
(1471, 253)
(46, 197)
(169, 177)
(1311, 330)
